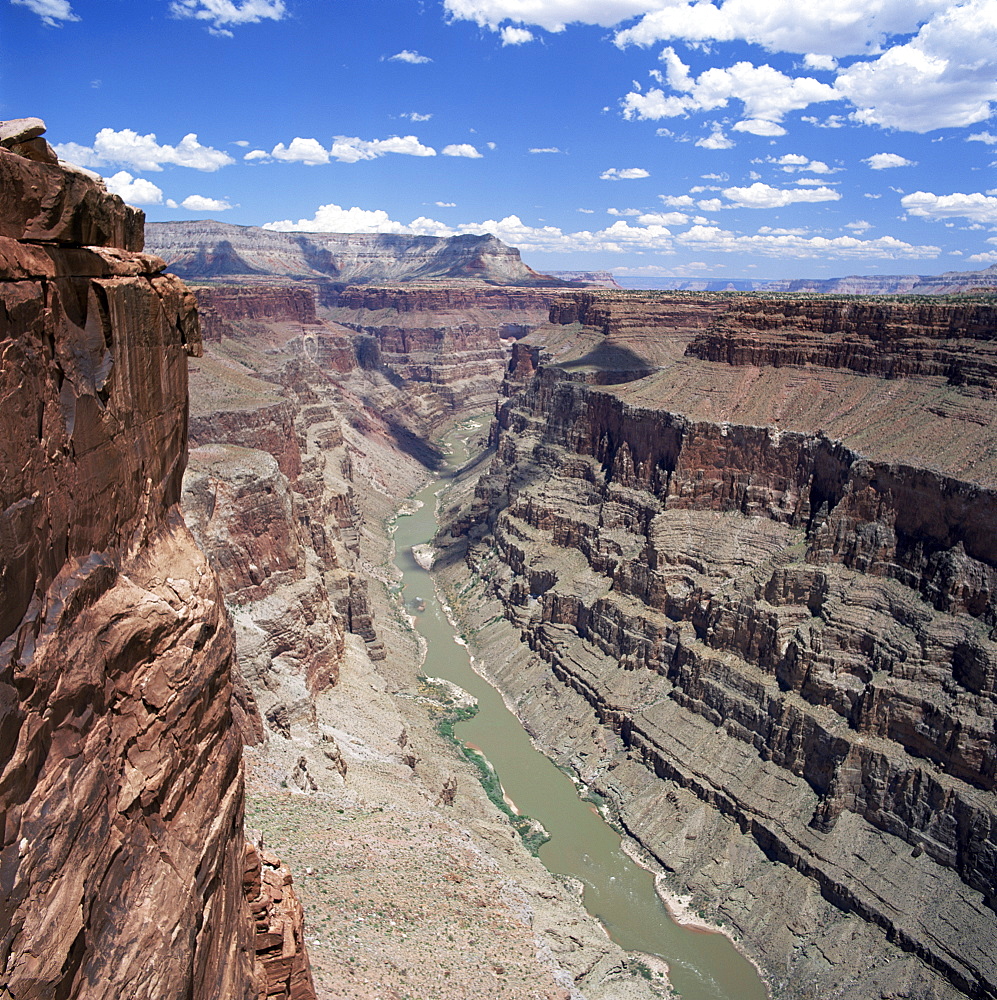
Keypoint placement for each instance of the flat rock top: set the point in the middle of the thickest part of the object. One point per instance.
(16, 130)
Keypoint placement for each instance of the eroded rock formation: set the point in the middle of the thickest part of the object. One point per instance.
(781, 629)
(199, 250)
(120, 769)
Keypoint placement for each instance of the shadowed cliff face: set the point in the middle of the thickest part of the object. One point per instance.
(792, 636)
(120, 769)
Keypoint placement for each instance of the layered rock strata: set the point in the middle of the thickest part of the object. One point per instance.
(774, 650)
(120, 774)
(207, 249)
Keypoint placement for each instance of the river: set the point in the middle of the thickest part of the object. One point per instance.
(702, 966)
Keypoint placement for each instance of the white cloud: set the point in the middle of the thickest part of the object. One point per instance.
(546, 149)
(414, 116)
(760, 195)
(309, 151)
(516, 36)
(350, 149)
(620, 237)
(946, 76)
(710, 205)
(663, 219)
(409, 56)
(241, 142)
(832, 27)
(552, 15)
(715, 140)
(813, 60)
(759, 126)
(198, 203)
(622, 212)
(624, 174)
(925, 205)
(446, 204)
(143, 152)
(134, 190)
(257, 154)
(50, 11)
(988, 137)
(765, 92)
(884, 161)
(677, 200)
(219, 14)
(587, 211)
(859, 226)
(334, 219)
(787, 244)
(461, 149)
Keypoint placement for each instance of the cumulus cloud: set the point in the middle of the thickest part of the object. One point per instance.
(220, 14)
(766, 93)
(134, 190)
(760, 195)
(257, 154)
(787, 244)
(350, 149)
(409, 56)
(715, 140)
(624, 174)
(309, 151)
(198, 203)
(446, 204)
(832, 27)
(759, 126)
(515, 36)
(988, 137)
(52, 12)
(946, 76)
(461, 149)
(792, 163)
(334, 219)
(884, 161)
(143, 152)
(859, 226)
(813, 60)
(975, 206)
(414, 116)
(552, 15)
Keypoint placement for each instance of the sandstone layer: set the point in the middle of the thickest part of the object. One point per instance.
(748, 548)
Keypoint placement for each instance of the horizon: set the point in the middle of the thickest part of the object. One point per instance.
(708, 141)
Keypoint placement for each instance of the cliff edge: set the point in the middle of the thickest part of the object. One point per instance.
(121, 787)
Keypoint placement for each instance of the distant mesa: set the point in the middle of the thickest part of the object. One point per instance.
(204, 251)
(949, 283)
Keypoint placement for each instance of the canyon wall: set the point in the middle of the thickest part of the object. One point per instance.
(756, 611)
(207, 249)
(120, 768)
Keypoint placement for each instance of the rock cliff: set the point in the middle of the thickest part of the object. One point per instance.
(949, 283)
(202, 250)
(747, 546)
(120, 767)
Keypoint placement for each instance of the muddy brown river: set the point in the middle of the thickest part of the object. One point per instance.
(619, 892)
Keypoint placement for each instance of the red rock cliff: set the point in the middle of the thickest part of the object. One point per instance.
(120, 769)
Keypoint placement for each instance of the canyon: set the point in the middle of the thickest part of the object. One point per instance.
(730, 558)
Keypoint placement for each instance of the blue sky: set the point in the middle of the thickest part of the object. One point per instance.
(751, 138)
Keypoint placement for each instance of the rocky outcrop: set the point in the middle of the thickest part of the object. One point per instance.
(120, 775)
(219, 305)
(282, 969)
(787, 640)
(199, 250)
(886, 338)
(451, 342)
